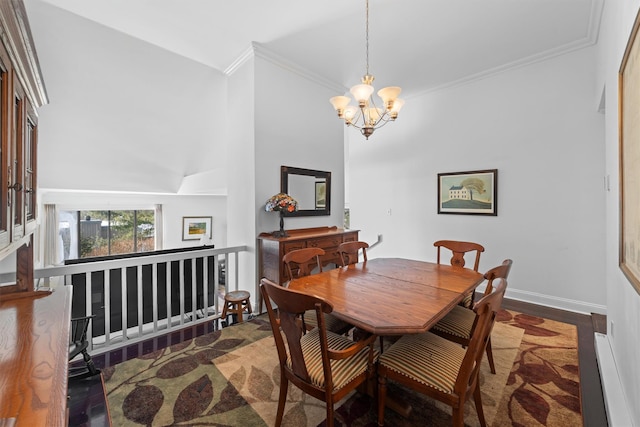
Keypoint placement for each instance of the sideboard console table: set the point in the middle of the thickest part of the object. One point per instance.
(34, 357)
(272, 249)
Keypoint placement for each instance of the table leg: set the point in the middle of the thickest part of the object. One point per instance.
(370, 389)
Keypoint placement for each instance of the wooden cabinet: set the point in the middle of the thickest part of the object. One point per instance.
(21, 93)
(272, 249)
(34, 325)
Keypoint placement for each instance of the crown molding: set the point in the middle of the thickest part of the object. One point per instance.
(589, 40)
(257, 50)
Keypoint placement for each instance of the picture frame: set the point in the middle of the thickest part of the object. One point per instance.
(468, 193)
(629, 158)
(321, 194)
(195, 227)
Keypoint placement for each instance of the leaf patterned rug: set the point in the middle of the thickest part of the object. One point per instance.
(231, 377)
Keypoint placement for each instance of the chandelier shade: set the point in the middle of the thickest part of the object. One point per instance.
(366, 116)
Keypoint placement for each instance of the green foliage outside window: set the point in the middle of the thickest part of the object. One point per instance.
(116, 232)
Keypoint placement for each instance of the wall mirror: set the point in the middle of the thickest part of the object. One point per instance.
(310, 188)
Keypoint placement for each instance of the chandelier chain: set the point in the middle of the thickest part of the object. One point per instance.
(367, 36)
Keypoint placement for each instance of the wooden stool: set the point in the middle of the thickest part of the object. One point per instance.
(236, 302)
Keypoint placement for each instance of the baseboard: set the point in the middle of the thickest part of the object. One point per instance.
(614, 399)
(554, 302)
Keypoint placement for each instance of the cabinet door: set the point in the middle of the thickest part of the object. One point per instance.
(5, 137)
(16, 165)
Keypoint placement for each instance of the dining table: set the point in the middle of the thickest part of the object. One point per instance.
(391, 296)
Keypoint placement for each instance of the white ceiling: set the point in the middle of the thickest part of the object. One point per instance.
(416, 44)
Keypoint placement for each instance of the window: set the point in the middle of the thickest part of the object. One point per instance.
(89, 233)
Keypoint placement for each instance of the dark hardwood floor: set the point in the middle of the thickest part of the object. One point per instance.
(87, 406)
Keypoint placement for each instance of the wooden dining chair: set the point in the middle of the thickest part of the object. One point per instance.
(323, 364)
(79, 344)
(459, 250)
(439, 368)
(457, 325)
(301, 263)
(349, 252)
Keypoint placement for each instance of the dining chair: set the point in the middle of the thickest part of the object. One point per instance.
(349, 252)
(79, 344)
(301, 263)
(459, 250)
(457, 325)
(323, 364)
(439, 368)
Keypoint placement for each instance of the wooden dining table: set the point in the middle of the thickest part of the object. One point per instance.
(391, 296)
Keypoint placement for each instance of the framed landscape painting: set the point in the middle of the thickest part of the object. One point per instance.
(629, 134)
(468, 193)
(195, 227)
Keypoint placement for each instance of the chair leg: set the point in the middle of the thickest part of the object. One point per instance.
(249, 310)
(89, 362)
(330, 413)
(282, 398)
(477, 397)
(458, 416)
(224, 311)
(382, 398)
(490, 357)
(238, 310)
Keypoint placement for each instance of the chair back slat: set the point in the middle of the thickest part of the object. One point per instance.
(459, 250)
(79, 327)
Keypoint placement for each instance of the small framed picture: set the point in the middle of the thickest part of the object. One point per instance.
(196, 227)
(321, 194)
(468, 193)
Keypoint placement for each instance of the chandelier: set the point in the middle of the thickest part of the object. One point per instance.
(366, 116)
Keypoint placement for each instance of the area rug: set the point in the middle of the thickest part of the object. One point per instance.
(231, 378)
(543, 388)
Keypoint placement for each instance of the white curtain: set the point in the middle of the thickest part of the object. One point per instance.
(158, 227)
(52, 239)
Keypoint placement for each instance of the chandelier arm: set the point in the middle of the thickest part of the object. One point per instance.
(384, 122)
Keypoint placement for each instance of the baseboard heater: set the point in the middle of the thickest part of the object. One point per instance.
(614, 399)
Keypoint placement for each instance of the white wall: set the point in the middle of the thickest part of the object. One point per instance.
(124, 115)
(295, 126)
(623, 302)
(272, 124)
(538, 125)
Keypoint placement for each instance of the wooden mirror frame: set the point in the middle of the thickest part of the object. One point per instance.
(286, 171)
